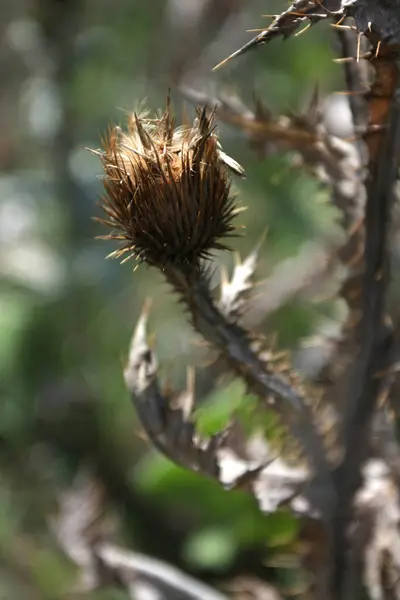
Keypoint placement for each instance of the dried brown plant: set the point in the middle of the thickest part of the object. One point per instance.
(168, 200)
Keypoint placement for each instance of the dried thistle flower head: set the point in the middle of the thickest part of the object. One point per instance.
(168, 197)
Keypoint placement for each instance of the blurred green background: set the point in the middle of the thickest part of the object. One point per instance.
(69, 69)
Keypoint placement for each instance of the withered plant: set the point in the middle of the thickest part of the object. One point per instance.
(168, 203)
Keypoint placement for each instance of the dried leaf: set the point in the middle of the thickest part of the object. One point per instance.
(234, 292)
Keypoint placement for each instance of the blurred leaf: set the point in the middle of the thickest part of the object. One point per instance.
(109, 593)
(293, 582)
(10, 517)
(282, 528)
(214, 414)
(213, 548)
(293, 321)
(278, 529)
(51, 572)
(15, 311)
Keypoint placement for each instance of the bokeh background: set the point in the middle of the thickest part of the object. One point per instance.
(69, 69)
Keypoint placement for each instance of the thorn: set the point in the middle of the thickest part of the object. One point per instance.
(224, 277)
(343, 59)
(315, 101)
(259, 39)
(344, 27)
(189, 394)
(281, 355)
(144, 315)
(237, 259)
(223, 62)
(243, 481)
(374, 127)
(96, 152)
(347, 93)
(302, 30)
(232, 164)
(114, 254)
(239, 210)
(330, 12)
(342, 18)
(262, 239)
(139, 337)
(307, 15)
(133, 150)
(366, 55)
(125, 260)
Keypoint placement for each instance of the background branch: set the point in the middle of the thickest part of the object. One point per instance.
(374, 340)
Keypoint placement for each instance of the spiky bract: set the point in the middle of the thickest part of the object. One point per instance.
(168, 196)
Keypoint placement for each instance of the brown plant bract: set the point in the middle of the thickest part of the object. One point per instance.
(168, 196)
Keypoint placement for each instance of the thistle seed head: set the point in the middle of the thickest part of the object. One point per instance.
(167, 190)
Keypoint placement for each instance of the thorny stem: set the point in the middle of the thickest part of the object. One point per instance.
(235, 347)
(374, 344)
(353, 72)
